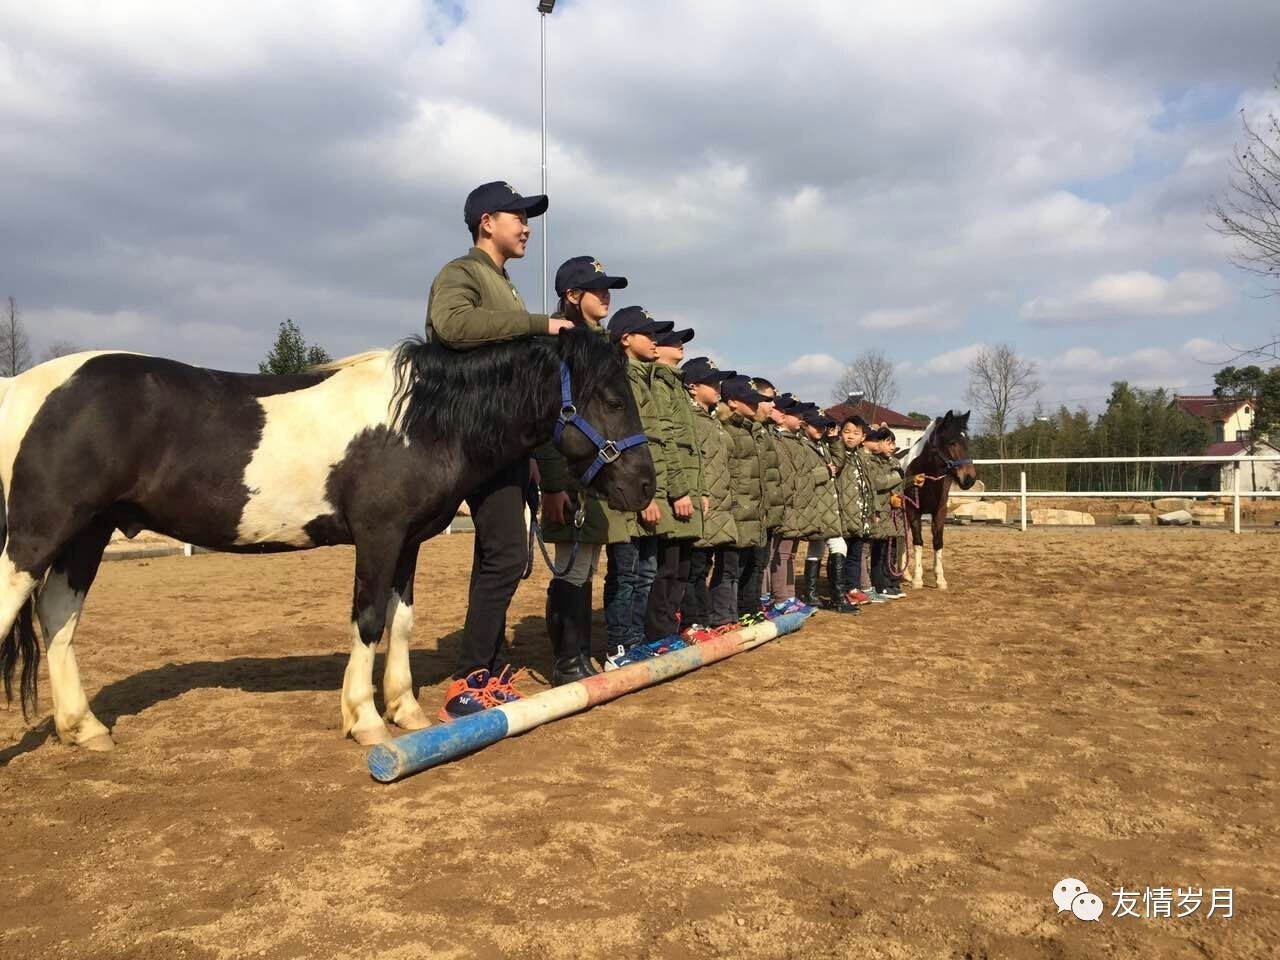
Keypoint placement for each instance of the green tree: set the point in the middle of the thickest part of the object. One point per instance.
(291, 353)
(1261, 389)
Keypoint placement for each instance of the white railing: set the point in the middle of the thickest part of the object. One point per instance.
(1023, 494)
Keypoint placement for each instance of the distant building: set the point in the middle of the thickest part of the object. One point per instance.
(1228, 419)
(1253, 476)
(906, 429)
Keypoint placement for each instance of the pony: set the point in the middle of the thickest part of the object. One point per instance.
(942, 455)
(376, 450)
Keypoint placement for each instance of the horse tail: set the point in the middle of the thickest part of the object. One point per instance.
(20, 648)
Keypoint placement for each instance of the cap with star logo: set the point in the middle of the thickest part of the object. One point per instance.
(637, 320)
(704, 370)
(500, 197)
(585, 273)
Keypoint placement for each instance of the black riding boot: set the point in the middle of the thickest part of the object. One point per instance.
(582, 626)
(564, 630)
(812, 572)
(835, 580)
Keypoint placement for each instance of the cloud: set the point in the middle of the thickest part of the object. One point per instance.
(1135, 293)
(953, 361)
(935, 316)
(814, 365)
(231, 166)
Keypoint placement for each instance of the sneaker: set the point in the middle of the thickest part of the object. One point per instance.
(702, 634)
(625, 656)
(666, 644)
(502, 687)
(893, 593)
(691, 630)
(750, 619)
(472, 694)
(875, 596)
(858, 597)
(788, 606)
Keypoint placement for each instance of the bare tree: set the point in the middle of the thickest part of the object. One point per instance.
(60, 348)
(1249, 211)
(15, 348)
(1000, 383)
(870, 374)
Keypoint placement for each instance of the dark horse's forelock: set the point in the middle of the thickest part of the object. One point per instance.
(470, 394)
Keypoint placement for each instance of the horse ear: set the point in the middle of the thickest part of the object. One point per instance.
(947, 417)
(965, 418)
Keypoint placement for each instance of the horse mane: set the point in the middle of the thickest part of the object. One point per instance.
(470, 394)
(355, 359)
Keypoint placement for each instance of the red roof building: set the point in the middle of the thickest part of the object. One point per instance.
(876, 415)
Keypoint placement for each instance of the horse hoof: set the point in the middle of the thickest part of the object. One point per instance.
(917, 584)
(411, 720)
(102, 743)
(371, 737)
(942, 585)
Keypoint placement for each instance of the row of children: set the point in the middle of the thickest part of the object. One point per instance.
(745, 475)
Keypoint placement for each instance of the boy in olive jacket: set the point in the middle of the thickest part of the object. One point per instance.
(685, 489)
(715, 552)
(633, 564)
(746, 473)
(584, 288)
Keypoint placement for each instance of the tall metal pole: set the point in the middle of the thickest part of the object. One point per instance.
(546, 216)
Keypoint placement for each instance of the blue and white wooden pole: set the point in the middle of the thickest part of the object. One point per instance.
(424, 749)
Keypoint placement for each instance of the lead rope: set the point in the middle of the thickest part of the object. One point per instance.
(535, 533)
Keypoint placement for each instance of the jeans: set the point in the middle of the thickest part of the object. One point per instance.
(697, 597)
(724, 585)
(782, 567)
(752, 562)
(632, 568)
(668, 589)
(497, 563)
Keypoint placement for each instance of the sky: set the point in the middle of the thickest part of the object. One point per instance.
(799, 182)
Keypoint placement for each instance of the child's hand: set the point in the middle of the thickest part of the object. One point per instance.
(682, 508)
(650, 515)
(555, 507)
(895, 501)
(706, 505)
(918, 479)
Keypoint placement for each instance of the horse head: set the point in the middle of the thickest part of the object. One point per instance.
(599, 431)
(951, 442)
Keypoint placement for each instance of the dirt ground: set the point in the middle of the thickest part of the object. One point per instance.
(910, 783)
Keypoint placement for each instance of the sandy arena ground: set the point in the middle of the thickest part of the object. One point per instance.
(912, 782)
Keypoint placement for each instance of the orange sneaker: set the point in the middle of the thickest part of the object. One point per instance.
(471, 694)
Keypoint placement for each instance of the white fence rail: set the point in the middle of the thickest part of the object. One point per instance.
(1022, 494)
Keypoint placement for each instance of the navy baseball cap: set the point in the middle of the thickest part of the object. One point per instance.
(785, 401)
(675, 338)
(585, 273)
(704, 370)
(739, 388)
(500, 197)
(816, 418)
(637, 320)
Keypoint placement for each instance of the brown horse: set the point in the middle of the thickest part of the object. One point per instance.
(943, 456)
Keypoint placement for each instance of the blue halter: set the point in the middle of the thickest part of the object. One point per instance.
(607, 451)
(952, 464)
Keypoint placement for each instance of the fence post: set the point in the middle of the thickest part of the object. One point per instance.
(1235, 498)
(1022, 486)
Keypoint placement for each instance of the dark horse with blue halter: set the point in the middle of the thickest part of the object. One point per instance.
(945, 458)
(377, 451)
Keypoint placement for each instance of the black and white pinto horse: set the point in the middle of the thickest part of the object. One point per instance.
(377, 450)
(942, 455)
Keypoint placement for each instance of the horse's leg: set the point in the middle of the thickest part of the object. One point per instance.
(917, 548)
(939, 523)
(402, 707)
(375, 568)
(59, 604)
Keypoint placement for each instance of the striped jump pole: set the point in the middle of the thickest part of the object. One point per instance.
(433, 746)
